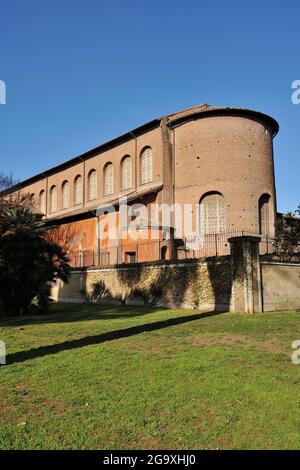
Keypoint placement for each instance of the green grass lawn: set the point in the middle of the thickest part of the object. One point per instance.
(91, 377)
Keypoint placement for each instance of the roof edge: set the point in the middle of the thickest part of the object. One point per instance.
(229, 111)
(88, 154)
(196, 112)
(89, 211)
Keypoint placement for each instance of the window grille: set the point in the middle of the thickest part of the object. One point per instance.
(212, 214)
(92, 185)
(108, 180)
(53, 199)
(78, 190)
(65, 195)
(146, 166)
(126, 173)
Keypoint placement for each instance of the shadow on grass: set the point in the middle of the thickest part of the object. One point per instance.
(102, 338)
(80, 312)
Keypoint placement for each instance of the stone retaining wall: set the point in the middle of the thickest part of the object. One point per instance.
(241, 282)
(280, 285)
(186, 284)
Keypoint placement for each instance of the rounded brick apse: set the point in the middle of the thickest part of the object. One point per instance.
(223, 158)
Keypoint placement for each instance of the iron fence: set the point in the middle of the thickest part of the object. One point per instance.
(204, 246)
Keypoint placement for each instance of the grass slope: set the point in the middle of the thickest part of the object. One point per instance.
(90, 377)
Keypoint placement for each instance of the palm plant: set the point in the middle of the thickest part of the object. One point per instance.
(29, 262)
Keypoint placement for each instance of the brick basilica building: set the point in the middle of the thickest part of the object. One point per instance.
(217, 158)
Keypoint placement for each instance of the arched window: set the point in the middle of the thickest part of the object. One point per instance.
(32, 199)
(42, 202)
(108, 179)
(82, 243)
(92, 184)
(146, 165)
(126, 173)
(163, 252)
(264, 214)
(53, 199)
(65, 195)
(212, 213)
(78, 190)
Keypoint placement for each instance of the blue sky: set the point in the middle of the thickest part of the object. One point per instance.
(79, 73)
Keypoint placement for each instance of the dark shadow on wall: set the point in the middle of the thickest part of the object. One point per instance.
(102, 338)
(221, 282)
(169, 282)
(190, 283)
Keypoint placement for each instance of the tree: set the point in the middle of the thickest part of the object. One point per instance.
(67, 236)
(288, 233)
(10, 198)
(29, 262)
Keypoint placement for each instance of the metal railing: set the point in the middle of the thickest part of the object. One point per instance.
(127, 252)
(279, 251)
(117, 254)
(204, 246)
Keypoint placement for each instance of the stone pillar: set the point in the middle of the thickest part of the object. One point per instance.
(246, 292)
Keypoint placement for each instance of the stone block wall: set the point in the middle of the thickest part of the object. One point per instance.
(280, 285)
(186, 284)
(241, 282)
